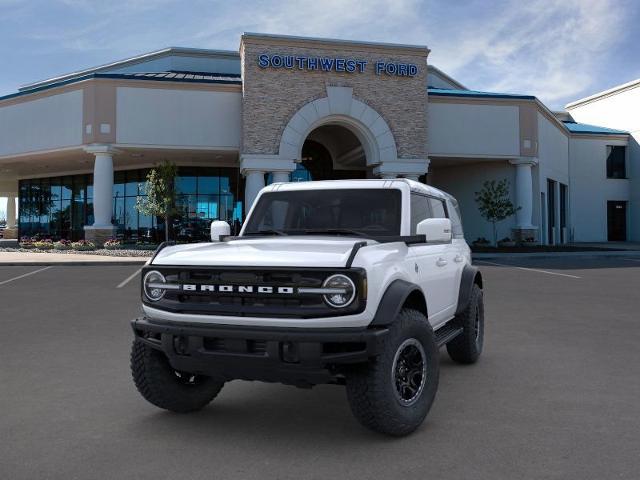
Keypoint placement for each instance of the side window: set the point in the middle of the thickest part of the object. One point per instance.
(419, 210)
(437, 207)
(456, 218)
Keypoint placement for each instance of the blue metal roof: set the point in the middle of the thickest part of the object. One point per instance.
(575, 127)
(188, 77)
(444, 92)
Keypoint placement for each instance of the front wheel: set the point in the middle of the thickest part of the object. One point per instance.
(167, 388)
(394, 393)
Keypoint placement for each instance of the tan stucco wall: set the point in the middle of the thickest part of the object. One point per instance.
(272, 96)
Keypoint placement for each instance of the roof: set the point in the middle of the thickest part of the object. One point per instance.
(604, 93)
(475, 93)
(171, 76)
(145, 57)
(575, 127)
(433, 69)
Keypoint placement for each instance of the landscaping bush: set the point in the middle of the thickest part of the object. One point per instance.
(43, 244)
(83, 245)
(62, 245)
(26, 242)
(113, 244)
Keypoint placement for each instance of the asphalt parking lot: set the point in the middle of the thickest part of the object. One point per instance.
(555, 395)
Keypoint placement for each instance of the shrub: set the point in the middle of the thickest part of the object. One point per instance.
(26, 242)
(481, 241)
(43, 244)
(62, 245)
(113, 244)
(83, 245)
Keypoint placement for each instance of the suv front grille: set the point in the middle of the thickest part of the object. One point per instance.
(291, 304)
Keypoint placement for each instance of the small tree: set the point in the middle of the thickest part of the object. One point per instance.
(494, 203)
(160, 200)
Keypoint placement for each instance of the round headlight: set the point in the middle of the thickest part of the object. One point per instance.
(153, 282)
(342, 293)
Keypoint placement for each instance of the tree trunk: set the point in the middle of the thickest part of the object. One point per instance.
(166, 229)
(495, 234)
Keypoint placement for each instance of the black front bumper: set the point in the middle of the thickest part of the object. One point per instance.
(295, 356)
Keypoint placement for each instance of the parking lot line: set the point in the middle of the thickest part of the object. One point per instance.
(129, 278)
(633, 259)
(25, 275)
(528, 269)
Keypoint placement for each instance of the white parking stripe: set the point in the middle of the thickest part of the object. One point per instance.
(528, 269)
(129, 278)
(25, 275)
(633, 259)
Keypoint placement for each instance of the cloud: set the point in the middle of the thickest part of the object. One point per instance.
(551, 49)
(558, 50)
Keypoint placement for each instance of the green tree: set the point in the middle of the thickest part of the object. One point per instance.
(494, 203)
(160, 200)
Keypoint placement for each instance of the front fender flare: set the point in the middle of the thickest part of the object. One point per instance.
(393, 300)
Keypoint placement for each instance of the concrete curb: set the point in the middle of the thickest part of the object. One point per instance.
(117, 263)
(598, 254)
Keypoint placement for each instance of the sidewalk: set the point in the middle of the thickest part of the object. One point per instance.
(32, 258)
(592, 253)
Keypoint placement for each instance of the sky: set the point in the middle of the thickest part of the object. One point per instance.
(558, 50)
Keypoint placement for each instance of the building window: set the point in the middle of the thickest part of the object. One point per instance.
(616, 161)
(60, 207)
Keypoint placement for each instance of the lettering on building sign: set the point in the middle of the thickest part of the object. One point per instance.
(341, 65)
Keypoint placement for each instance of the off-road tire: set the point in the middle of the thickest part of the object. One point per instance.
(467, 347)
(371, 388)
(162, 386)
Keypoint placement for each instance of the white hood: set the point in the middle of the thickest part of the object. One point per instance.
(293, 251)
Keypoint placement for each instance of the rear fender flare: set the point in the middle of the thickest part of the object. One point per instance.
(470, 276)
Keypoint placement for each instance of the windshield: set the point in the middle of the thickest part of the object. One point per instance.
(358, 212)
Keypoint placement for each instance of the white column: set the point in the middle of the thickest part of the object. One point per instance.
(11, 211)
(280, 177)
(103, 190)
(524, 191)
(254, 183)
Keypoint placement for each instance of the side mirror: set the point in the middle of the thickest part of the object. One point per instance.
(218, 229)
(436, 230)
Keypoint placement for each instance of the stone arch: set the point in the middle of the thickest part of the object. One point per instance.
(340, 108)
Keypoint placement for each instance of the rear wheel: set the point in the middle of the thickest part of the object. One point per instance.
(467, 347)
(393, 393)
(167, 388)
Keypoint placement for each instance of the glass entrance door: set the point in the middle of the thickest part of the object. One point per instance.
(617, 221)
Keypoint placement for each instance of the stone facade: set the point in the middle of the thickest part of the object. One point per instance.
(272, 96)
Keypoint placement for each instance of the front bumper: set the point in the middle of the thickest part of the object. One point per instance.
(300, 357)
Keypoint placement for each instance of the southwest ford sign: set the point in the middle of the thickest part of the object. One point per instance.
(335, 64)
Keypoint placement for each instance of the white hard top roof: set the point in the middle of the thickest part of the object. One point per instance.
(355, 184)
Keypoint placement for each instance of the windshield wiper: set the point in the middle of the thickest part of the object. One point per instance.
(266, 232)
(336, 231)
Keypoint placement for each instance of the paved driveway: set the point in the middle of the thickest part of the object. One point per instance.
(555, 395)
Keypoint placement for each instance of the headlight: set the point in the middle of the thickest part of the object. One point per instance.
(154, 285)
(339, 291)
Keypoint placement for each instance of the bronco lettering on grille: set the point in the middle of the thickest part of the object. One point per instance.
(236, 289)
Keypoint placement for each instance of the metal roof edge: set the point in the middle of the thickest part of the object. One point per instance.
(603, 93)
(130, 61)
(122, 76)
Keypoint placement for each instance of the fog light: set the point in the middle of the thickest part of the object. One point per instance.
(154, 285)
(340, 291)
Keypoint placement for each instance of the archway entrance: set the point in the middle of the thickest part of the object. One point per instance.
(331, 152)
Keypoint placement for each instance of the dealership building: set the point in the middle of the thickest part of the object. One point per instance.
(75, 149)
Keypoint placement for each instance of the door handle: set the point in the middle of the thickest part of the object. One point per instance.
(459, 258)
(441, 262)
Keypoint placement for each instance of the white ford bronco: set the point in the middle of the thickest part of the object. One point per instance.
(351, 282)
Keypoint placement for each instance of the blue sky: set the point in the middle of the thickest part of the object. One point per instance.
(557, 50)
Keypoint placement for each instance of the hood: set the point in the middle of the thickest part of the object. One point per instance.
(307, 251)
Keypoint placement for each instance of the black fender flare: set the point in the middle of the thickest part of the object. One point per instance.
(470, 276)
(393, 300)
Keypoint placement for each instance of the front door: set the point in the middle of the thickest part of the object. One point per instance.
(617, 221)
